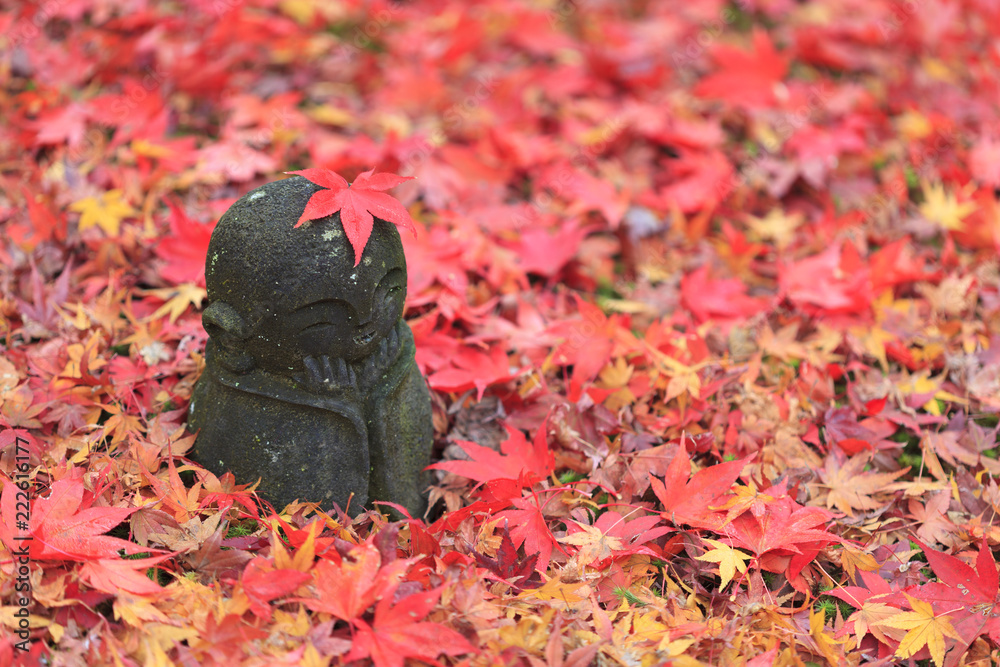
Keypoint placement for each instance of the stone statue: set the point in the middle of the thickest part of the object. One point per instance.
(310, 381)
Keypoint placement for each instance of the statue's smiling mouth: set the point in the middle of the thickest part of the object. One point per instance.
(365, 337)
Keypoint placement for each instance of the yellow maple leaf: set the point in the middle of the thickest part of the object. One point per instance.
(776, 226)
(675, 649)
(874, 339)
(924, 384)
(294, 625)
(616, 374)
(107, 212)
(913, 125)
(137, 611)
(826, 644)
(313, 658)
(304, 555)
(531, 632)
(728, 558)
(555, 589)
(303, 11)
(852, 559)
(925, 628)
(943, 208)
(178, 299)
(745, 498)
(330, 115)
(594, 545)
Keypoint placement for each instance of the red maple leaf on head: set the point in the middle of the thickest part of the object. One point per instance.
(357, 202)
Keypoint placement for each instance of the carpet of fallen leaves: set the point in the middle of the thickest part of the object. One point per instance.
(707, 295)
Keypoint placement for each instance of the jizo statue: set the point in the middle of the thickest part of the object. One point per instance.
(310, 381)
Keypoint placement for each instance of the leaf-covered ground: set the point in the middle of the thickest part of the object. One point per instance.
(707, 296)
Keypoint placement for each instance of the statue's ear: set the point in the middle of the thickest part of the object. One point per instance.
(229, 331)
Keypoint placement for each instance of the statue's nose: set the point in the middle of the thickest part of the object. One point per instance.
(364, 310)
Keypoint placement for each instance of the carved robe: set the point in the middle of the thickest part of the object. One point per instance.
(364, 441)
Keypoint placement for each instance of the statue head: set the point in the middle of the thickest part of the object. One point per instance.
(278, 294)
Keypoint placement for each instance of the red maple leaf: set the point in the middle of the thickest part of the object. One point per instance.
(968, 595)
(357, 203)
(398, 633)
(632, 535)
(472, 368)
(832, 282)
(720, 299)
(589, 342)
(114, 575)
(533, 460)
(688, 498)
(530, 528)
(785, 539)
(510, 565)
(347, 589)
(184, 249)
(222, 640)
(745, 78)
(64, 527)
(262, 583)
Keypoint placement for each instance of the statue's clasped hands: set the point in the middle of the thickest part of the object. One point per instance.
(327, 376)
(337, 376)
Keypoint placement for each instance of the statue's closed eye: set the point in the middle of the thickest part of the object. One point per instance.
(322, 314)
(392, 283)
(318, 326)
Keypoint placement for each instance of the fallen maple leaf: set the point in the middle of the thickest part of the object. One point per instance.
(221, 638)
(594, 544)
(688, 498)
(347, 589)
(184, 249)
(517, 457)
(398, 633)
(943, 207)
(728, 558)
(114, 575)
(925, 629)
(212, 559)
(848, 488)
(825, 282)
(932, 517)
(107, 212)
(357, 202)
(746, 78)
(588, 345)
(970, 595)
(530, 528)
(472, 368)
(177, 299)
(62, 528)
(545, 253)
(826, 644)
(612, 537)
(262, 583)
(852, 559)
(509, 565)
(869, 619)
(720, 299)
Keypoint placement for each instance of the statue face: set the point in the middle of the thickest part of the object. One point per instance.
(287, 293)
(331, 307)
(350, 323)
